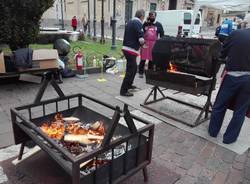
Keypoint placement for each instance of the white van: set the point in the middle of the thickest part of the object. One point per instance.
(178, 21)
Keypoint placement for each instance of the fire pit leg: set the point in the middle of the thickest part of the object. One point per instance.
(129, 120)
(49, 79)
(154, 92)
(21, 151)
(145, 101)
(75, 174)
(209, 103)
(207, 109)
(145, 174)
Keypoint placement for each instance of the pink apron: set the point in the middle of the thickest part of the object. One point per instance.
(150, 37)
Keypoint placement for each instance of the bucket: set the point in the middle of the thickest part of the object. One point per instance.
(121, 65)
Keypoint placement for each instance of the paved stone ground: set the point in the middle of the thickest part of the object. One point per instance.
(195, 159)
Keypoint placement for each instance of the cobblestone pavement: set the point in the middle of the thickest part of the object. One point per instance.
(195, 159)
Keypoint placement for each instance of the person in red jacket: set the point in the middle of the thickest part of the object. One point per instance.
(74, 23)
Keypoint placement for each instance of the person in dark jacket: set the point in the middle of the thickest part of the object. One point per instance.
(225, 30)
(235, 85)
(132, 41)
(152, 31)
(217, 31)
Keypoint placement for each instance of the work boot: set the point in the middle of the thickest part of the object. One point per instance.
(133, 87)
(128, 94)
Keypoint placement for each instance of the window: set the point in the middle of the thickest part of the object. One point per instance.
(172, 4)
(187, 18)
(198, 19)
(152, 6)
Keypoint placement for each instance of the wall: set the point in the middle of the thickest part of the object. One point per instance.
(80, 7)
(210, 17)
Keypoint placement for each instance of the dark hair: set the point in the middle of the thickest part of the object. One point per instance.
(152, 13)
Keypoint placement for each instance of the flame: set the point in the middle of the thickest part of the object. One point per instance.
(171, 67)
(57, 129)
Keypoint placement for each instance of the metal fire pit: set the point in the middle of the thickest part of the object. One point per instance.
(180, 82)
(137, 143)
(196, 62)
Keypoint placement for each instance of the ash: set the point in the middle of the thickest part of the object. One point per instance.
(107, 156)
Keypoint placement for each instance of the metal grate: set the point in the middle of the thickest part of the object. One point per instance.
(136, 143)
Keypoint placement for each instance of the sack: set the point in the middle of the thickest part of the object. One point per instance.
(67, 72)
(23, 58)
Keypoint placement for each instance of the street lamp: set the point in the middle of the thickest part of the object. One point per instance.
(94, 22)
(102, 41)
(88, 19)
(114, 26)
(62, 15)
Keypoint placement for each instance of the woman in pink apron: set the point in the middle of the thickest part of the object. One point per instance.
(152, 30)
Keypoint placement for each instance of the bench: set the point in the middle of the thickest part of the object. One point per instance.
(31, 71)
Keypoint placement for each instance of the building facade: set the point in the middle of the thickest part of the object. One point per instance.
(125, 10)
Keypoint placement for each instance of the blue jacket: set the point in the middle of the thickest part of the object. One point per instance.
(237, 50)
(226, 28)
(133, 32)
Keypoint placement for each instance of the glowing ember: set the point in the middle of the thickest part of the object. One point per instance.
(171, 67)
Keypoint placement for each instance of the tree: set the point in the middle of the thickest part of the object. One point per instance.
(20, 21)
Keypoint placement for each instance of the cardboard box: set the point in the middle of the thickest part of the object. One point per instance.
(45, 58)
(2, 64)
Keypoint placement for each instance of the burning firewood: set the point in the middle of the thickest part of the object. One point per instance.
(97, 128)
(96, 125)
(73, 135)
(58, 116)
(85, 163)
(74, 128)
(71, 119)
(84, 139)
(90, 164)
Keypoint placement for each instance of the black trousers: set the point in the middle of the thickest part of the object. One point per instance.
(142, 65)
(222, 38)
(238, 87)
(131, 69)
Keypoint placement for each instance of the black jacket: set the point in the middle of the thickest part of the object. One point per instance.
(237, 50)
(133, 32)
(160, 31)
